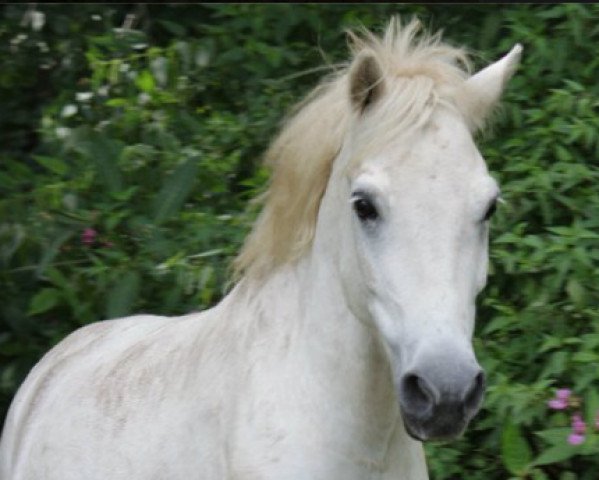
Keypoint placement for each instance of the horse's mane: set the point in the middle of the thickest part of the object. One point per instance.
(422, 71)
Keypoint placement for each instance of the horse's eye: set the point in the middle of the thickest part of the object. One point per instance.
(490, 211)
(365, 209)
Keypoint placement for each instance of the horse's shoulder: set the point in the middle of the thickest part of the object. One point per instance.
(86, 339)
(77, 345)
(57, 364)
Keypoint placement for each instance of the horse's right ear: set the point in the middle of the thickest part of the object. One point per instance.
(365, 80)
(484, 88)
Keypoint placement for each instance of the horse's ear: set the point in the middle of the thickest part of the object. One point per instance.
(365, 80)
(484, 88)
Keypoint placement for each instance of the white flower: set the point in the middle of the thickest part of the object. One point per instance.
(43, 46)
(70, 201)
(159, 67)
(37, 20)
(103, 90)
(84, 96)
(18, 39)
(68, 110)
(202, 58)
(62, 132)
(143, 98)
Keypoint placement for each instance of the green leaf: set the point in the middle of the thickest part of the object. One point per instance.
(53, 164)
(539, 475)
(51, 252)
(576, 291)
(555, 436)
(592, 405)
(550, 343)
(515, 451)
(172, 27)
(11, 238)
(175, 190)
(122, 296)
(102, 151)
(116, 102)
(43, 301)
(590, 445)
(562, 154)
(585, 357)
(145, 81)
(555, 454)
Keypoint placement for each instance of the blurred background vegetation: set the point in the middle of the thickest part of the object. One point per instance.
(131, 142)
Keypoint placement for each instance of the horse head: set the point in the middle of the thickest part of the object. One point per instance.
(418, 198)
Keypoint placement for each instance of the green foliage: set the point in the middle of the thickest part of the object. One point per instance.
(515, 451)
(148, 129)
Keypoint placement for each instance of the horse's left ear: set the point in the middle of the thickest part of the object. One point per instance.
(484, 88)
(365, 80)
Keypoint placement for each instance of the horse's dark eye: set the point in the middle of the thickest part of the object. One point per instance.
(490, 211)
(365, 209)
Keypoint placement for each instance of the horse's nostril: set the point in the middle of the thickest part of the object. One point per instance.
(475, 394)
(418, 395)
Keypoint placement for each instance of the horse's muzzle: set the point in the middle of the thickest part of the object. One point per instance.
(439, 396)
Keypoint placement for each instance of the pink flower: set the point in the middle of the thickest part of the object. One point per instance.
(88, 237)
(597, 420)
(557, 404)
(561, 399)
(563, 394)
(575, 438)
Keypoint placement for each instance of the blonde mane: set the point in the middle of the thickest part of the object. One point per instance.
(421, 72)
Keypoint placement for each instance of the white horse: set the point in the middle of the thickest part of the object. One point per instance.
(347, 339)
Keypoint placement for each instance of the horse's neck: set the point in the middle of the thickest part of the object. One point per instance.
(305, 302)
(337, 361)
(301, 311)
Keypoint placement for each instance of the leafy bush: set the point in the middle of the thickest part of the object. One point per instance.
(132, 140)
